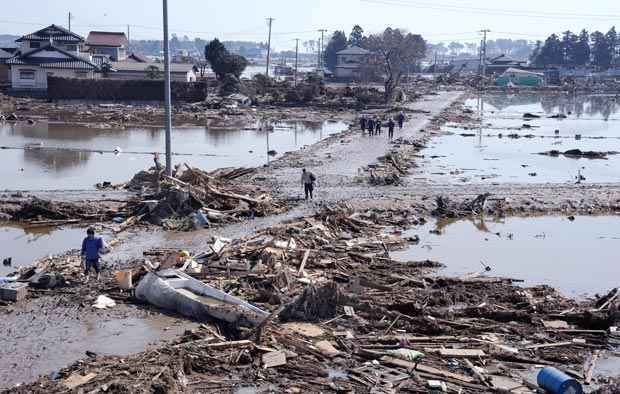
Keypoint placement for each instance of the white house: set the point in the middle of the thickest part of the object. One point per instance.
(350, 62)
(108, 44)
(53, 50)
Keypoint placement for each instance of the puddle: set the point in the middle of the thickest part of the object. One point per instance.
(487, 158)
(577, 257)
(41, 169)
(35, 343)
(25, 245)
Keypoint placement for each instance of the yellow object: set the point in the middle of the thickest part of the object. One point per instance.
(124, 279)
(184, 253)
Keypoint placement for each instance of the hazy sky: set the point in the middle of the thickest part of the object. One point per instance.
(443, 20)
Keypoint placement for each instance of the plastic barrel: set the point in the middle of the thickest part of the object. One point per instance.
(557, 382)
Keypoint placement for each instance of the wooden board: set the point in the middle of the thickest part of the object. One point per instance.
(274, 359)
(327, 349)
(77, 380)
(466, 353)
(306, 329)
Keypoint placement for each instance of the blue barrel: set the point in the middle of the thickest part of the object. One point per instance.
(557, 382)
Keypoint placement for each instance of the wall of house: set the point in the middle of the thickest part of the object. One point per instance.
(41, 77)
(112, 52)
(344, 73)
(5, 73)
(347, 59)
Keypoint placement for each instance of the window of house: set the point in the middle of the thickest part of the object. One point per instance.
(27, 75)
(35, 44)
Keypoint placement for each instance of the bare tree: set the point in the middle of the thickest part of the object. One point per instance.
(398, 50)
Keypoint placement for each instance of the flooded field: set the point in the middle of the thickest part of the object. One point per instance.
(27, 245)
(490, 153)
(578, 257)
(43, 169)
(35, 343)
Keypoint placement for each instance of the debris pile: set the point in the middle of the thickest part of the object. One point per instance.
(578, 153)
(446, 208)
(196, 198)
(345, 317)
(40, 212)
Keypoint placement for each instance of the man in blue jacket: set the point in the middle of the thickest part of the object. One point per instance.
(92, 247)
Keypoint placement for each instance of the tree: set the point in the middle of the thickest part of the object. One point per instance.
(535, 56)
(582, 49)
(337, 43)
(223, 62)
(397, 50)
(455, 47)
(152, 72)
(551, 52)
(601, 52)
(356, 38)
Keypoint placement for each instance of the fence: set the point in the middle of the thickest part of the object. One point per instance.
(122, 90)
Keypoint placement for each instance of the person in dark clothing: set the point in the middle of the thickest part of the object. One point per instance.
(378, 126)
(401, 120)
(363, 124)
(391, 126)
(92, 246)
(307, 181)
(371, 126)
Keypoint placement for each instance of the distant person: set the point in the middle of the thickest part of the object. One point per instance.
(371, 126)
(401, 120)
(363, 124)
(307, 181)
(92, 248)
(378, 126)
(391, 126)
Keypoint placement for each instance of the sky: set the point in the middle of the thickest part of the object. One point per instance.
(441, 20)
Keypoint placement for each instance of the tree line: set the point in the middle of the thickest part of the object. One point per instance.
(595, 49)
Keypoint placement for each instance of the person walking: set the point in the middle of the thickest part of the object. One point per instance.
(378, 126)
(391, 126)
(307, 182)
(92, 248)
(371, 126)
(363, 124)
(401, 120)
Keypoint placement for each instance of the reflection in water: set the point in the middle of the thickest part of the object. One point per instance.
(576, 257)
(208, 148)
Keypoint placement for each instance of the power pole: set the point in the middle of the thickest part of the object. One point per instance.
(321, 47)
(69, 20)
(484, 53)
(128, 37)
(296, 58)
(167, 98)
(318, 60)
(270, 20)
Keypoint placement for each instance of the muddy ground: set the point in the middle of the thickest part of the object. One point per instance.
(341, 165)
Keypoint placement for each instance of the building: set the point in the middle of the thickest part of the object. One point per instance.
(350, 62)
(180, 72)
(53, 50)
(518, 77)
(500, 64)
(5, 70)
(106, 44)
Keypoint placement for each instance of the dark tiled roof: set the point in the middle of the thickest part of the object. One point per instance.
(106, 38)
(71, 62)
(138, 58)
(56, 33)
(353, 50)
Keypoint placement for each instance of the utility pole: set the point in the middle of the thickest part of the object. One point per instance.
(296, 58)
(128, 36)
(70, 20)
(318, 60)
(484, 53)
(270, 20)
(321, 47)
(167, 98)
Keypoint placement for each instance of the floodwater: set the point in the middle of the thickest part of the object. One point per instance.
(36, 341)
(577, 257)
(49, 169)
(490, 156)
(25, 245)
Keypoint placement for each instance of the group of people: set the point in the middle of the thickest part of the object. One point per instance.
(375, 125)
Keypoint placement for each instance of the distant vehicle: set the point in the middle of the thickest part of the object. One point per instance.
(283, 70)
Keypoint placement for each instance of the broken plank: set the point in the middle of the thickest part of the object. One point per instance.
(461, 353)
(303, 262)
(548, 345)
(274, 359)
(425, 368)
(76, 380)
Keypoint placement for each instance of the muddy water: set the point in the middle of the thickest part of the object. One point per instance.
(43, 169)
(490, 156)
(25, 245)
(578, 257)
(41, 339)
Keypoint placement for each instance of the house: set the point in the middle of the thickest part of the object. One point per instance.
(500, 64)
(5, 70)
(350, 62)
(111, 45)
(53, 50)
(518, 77)
(180, 72)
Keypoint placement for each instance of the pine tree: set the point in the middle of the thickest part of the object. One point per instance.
(356, 38)
(601, 53)
(582, 49)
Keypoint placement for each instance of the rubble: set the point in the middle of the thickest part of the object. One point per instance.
(577, 153)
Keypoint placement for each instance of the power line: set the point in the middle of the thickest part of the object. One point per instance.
(495, 11)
